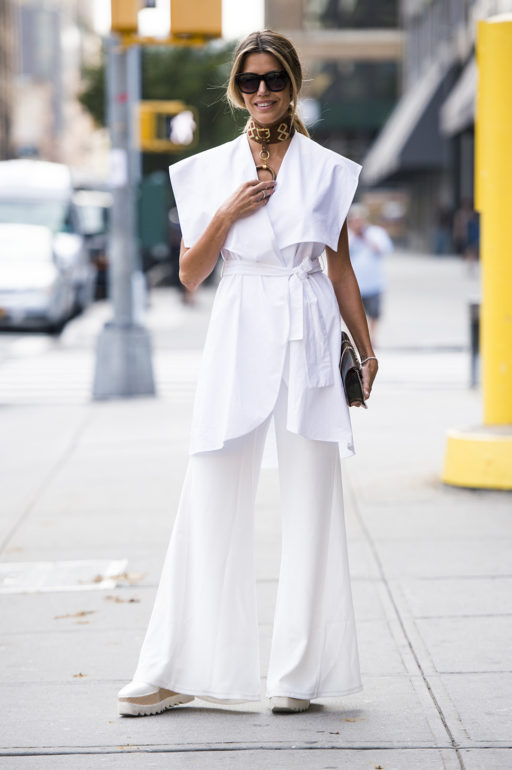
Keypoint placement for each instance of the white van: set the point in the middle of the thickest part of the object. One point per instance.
(45, 271)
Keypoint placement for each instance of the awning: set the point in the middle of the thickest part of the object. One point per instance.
(458, 111)
(411, 139)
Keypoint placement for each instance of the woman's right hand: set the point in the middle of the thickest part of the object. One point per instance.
(198, 261)
(247, 199)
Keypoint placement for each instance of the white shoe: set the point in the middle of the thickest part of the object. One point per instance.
(140, 699)
(284, 705)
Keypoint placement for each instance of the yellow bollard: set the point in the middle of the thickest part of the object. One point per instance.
(494, 138)
(483, 457)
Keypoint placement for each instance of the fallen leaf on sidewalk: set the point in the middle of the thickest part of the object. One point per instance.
(119, 600)
(79, 676)
(80, 614)
(128, 577)
(379, 767)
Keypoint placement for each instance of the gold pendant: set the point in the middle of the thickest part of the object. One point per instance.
(266, 167)
(265, 155)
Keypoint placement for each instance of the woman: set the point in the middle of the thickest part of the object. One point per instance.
(271, 202)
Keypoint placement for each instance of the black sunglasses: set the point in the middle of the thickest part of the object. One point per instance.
(249, 82)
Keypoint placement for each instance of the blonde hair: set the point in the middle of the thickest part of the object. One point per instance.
(284, 51)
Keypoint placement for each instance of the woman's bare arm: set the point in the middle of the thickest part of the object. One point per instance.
(198, 261)
(343, 279)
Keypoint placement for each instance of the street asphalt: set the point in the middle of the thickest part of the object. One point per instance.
(88, 495)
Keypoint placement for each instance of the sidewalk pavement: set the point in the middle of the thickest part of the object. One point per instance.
(93, 487)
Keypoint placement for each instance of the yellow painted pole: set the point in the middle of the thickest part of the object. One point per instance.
(482, 457)
(494, 173)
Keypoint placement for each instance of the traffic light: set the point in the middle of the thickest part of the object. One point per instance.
(167, 126)
(125, 14)
(196, 17)
(189, 18)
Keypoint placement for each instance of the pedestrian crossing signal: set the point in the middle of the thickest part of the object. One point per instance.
(167, 126)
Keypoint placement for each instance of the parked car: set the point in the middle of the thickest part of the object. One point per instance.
(45, 272)
(34, 291)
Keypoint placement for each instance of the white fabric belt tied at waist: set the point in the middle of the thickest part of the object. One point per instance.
(306, 320)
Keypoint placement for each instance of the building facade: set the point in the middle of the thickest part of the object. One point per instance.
(52, 38)
(427, 144)
(351, 52)
(7, 66)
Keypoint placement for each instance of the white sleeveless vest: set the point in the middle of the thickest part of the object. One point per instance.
(275, 313)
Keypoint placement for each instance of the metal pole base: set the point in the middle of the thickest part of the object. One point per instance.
(123, 362)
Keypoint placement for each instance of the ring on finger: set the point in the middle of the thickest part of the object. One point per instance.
(263, 195)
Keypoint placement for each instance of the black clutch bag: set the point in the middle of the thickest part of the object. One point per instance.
(351, 372)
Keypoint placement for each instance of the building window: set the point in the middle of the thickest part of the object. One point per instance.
(351, 14)
(354, 96)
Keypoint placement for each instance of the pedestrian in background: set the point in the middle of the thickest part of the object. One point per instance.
(461, 220)
(472, 250)
(466, 233)
(369, 244)
(271, 201)
(443, 230)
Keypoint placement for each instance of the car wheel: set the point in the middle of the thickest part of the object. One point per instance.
(55, 328)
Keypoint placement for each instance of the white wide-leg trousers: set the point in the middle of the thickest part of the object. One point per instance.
(202, 637)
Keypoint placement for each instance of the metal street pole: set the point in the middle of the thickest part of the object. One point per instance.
(123, 354)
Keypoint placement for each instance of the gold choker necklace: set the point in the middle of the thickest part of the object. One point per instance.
(266, 135)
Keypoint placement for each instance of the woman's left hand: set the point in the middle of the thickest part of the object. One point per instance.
(370, 369)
